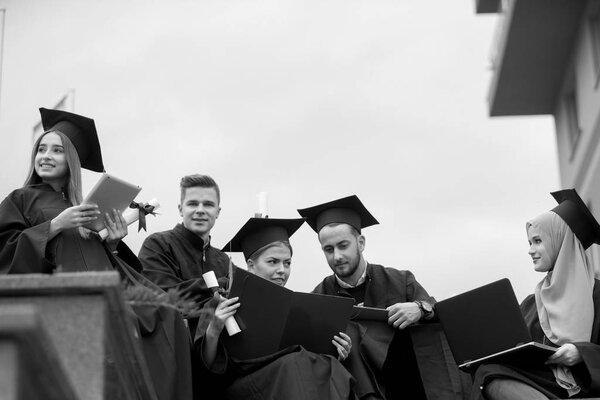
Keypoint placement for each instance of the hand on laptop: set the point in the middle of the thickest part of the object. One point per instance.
(402, 315)
(567, 354)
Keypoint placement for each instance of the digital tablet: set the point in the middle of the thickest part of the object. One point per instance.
(110, 193)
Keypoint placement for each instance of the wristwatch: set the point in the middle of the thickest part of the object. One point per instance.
(426, 309)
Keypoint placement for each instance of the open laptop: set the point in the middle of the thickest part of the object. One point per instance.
(486, 324)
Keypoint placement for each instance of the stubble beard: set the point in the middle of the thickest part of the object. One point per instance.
(351, 267)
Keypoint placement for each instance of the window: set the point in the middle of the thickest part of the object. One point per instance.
(572, 117)
(594, 30)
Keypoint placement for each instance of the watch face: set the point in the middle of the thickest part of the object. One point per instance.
(427, 307)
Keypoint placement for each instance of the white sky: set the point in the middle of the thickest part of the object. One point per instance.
(306, 100)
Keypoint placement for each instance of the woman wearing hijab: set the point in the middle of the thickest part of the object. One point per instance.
(292, 373)
(564, 311)
(42, 231)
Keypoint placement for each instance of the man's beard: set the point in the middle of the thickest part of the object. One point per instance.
(352, 267)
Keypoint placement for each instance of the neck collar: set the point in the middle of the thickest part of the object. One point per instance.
(361, 280)
(191, 236)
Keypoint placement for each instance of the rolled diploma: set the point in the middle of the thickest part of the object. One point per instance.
(130, 215)
(230, 323)
(261, 198)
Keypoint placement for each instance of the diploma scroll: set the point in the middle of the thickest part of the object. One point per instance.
(130, 215)
(230, 323)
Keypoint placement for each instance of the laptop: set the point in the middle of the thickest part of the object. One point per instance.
(486, 324)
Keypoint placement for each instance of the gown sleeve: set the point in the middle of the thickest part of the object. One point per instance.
(22, 244)
(590, 352)
(414, 290)
(158, 262)
(589, 369)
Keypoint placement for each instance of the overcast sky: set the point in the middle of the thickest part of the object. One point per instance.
(306, 100)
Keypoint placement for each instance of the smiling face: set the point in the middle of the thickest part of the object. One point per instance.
(538, 250)
(50, 162)
(273, 264)
(200, 209)
(343, 250)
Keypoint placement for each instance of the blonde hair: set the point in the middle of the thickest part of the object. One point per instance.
(280, 243)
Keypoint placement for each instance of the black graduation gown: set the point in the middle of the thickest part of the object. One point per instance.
(586, 373)
(177, 259)
(293, 373)
(24, 227)
(409, 363)
(25, 216)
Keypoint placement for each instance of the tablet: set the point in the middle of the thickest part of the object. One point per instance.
(110, 193)
(369, 314)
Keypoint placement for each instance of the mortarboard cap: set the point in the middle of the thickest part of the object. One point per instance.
(348, 210)
(81, 131)
(259, 232)
(575, 213)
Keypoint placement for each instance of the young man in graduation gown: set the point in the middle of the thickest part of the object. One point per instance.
(387, 357)
(177, 258)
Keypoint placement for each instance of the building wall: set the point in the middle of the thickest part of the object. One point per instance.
(579, 159)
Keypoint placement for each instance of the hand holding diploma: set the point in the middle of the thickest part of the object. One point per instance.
(226, 308)
(130, 216)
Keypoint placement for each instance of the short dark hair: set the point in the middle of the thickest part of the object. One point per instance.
(198, 180)
(355, 232)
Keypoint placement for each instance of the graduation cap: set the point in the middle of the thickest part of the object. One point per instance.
(575, 213)
(348, 210)
(81, 131)
(259, 232)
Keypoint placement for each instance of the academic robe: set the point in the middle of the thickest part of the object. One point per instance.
(293, 373)
(413, 363)
(586, 373)
(177, 258)
(25, 247)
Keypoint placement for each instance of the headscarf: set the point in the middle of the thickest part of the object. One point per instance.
(564, 297)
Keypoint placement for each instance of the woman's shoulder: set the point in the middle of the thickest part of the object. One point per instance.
(528, 300)
(28, 192)
(17, 194)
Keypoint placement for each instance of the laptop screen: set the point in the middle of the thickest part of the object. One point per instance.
(482, 321)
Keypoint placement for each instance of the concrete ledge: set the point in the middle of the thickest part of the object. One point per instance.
(30, 368)
(91, 328)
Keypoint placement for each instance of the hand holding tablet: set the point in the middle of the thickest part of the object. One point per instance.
(110, 193)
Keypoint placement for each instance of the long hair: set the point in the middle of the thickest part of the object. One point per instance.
(72, 189)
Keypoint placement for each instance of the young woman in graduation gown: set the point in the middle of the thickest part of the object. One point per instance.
(42, 231)
(292, 373)
(564, 311)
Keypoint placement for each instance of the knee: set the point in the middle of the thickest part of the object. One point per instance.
(510, 389)
(494, 389)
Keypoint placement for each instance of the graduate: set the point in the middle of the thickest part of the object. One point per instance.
(388, 358)
(564, 311)
(42, 231)
(177, 258)
(292, 373)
